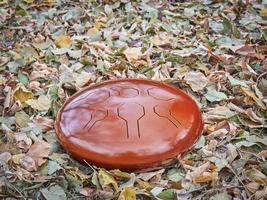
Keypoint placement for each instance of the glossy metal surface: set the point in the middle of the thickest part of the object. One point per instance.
(128, 124)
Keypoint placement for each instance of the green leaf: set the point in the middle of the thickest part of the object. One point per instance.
(53, 166)
(201, 143)
(235, 82)
(213, 95)
(55, 192)
(53, 92)
(23, 79)
(21, 12)
(174, 175)
(101, 66)
(95, 180)
(221, 196)
(167, 194)
(263, 167)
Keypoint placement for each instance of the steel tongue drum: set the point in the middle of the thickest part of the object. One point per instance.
(128, 124)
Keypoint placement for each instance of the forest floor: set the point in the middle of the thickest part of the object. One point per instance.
(214, 50)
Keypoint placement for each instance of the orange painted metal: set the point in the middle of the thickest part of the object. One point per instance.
(128, 124)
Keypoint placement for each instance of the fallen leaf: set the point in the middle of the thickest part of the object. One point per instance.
(22, 118)
(256, 175)
(263, 12)
(63, 41)
(197, 171)
(221, 196)
(44, 122)
(22, 94)
(205, 179)
(253, 187)
(54, 192)
(43, 103)
(106, 179)
(168, 194)
(251, 94)
(5, 157)
(119, 175)
(218, 113)
(174, 175)
(39, 151)
(133, 54)
(23, 141)
(162, 39)
(82, 78)
(235, 82)
(128, 193)
(28, 163)
(52, 167)
(148, 175)
(213, 95)
(196, 80)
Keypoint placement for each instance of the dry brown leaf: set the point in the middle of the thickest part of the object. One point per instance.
(197, 171)
(263, 154)
(133, 54)
(251, 94)
(16, 158)
(45, 123)
(28, 163)
(253, 187)
(218, 113)
(220, 133)
(196, 80)
(5, 157)
(162, 39)
(39, 151)
(205, 179)
(23, 141)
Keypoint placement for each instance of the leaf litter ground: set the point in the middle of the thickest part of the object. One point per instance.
(214, 50)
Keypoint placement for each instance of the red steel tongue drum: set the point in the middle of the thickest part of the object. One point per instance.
(128, 124)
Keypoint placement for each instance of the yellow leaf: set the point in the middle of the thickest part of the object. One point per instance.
(48, 2)
(106, 179)
(120, 175)
(28, 1)
(2, 2)
(22, 94)
(42, 103)
(263, 12)
(143, 184)
(63, 41)
(128, 193)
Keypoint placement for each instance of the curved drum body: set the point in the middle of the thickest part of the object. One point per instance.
(128, 124)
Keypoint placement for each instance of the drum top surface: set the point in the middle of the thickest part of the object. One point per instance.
(128, 124)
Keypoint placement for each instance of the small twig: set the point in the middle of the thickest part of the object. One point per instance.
(222, 188)
(241, 182)
(191, 191)
(90, 165)
(251, 154)
(260, 76)
(17, 27)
